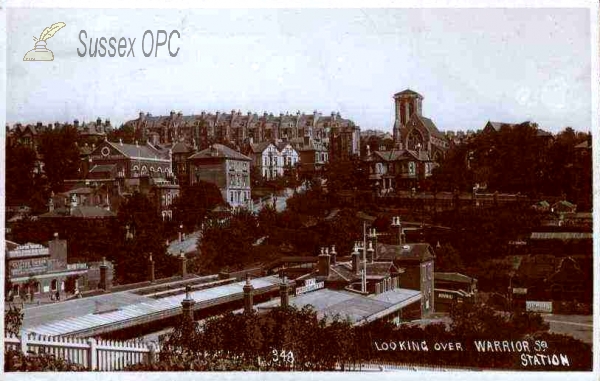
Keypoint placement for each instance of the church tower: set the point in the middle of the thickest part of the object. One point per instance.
(406, 103)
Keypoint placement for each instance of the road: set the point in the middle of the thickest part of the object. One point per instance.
(577, 326)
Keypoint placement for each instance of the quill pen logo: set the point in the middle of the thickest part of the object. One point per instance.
(40, 52)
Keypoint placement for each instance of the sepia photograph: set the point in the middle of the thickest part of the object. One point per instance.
(357, 190)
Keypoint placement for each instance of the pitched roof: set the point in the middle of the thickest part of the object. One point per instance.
(498, 125)
(561, 235)
(430, 126)
(81, 212)
(409, 251)
(103, 168)
(219, 151)
(259, 147)
(407, 92)
(454, 277)
(181, 147)
(584, 145)
(145, 151)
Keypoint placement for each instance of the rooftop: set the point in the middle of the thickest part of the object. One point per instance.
(356, 308)
(219, 151)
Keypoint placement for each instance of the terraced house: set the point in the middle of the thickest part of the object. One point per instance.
(340, 136)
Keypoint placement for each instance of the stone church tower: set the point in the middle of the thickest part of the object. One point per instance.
(413, 131)
(406, 103)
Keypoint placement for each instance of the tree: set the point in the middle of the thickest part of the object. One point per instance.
(140, 217)
(194, 203)
(61, 156)
(20, 184)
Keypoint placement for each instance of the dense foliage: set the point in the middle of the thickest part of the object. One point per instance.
(517, 159)
(58, 148)
(292, 339)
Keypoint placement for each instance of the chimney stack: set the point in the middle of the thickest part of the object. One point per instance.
(356, 260)
(151, 268)
(284, 293)
(323, 263)
(187, 304)
(183, 264)
(333, 255)
(104, 281)
(370, 252)
(248, 294)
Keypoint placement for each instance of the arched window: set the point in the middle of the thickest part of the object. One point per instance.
(144, 170)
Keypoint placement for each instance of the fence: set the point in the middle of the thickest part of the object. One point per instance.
(92, 354)
(388, 366)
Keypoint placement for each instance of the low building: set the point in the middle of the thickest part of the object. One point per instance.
(132, 160)
(451, 288)
(37, 271)
(227, 169)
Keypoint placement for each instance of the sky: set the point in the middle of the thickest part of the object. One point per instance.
(470, 65)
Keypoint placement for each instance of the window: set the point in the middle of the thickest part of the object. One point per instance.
(231, 196)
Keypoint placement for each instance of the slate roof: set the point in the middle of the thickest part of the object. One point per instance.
(409, 251)
(564, 236)
(141, 150)
(103, 168)
(356, 308)
(259, 147)
(498, 125)
(454, 277)
(430, 126)
(181, 147)
(219, 151)
(80, 212)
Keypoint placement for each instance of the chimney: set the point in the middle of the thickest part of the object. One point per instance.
(172, 113)
(98, 122)
(151, 268)
(183, 264)
(323, 264)
(248, 293)
(105, 282)
(356, 261)
(141, 115)
(284, 289)
(370, 252)
(187, 304)
(333, 255)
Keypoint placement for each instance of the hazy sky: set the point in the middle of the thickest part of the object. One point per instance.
(471, 65)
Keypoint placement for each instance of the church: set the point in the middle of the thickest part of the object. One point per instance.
(413, 131)
(418, 148)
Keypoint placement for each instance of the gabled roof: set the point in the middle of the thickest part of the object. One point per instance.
(219, 151)
(259, 147)
(498, 125)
